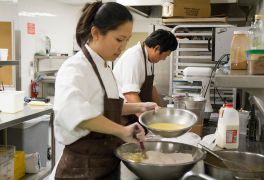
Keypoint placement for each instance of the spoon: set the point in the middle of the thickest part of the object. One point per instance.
(142, 147)
(228, 163)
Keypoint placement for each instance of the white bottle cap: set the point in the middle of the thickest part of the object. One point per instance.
(170, 105)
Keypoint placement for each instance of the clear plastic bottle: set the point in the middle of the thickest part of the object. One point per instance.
(256, 41)
(239, 45)
(227, 135)
(47, 45)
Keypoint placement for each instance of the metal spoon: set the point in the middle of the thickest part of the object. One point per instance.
(228, 163)
(142, 147)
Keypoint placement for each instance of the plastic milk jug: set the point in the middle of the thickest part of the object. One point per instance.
(227, 135)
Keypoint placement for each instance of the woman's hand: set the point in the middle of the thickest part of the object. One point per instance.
(131, 135)
(147, 106)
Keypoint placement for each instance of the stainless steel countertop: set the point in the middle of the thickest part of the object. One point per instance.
(238, 79)
(29, 112)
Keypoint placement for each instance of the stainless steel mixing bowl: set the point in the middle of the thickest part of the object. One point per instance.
(159, 171)
(169, 115)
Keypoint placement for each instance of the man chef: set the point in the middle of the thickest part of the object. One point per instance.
(134, 71)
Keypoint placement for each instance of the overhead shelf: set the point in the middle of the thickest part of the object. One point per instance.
(238, 79)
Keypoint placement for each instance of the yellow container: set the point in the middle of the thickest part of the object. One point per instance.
(20, 168)
(255, 59)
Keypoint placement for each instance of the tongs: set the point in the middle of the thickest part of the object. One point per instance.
(142, 147)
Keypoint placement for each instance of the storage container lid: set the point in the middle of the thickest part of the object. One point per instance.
(255, 51)
(240, 32)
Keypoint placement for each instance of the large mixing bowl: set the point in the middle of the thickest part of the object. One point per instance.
(217, 169)
(160, 171)
(169, 115)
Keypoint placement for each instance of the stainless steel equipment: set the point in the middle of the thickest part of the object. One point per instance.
(169, 115)
(197, 47)
(230, 164)
(196, 104)
(216, 169)
(259, 115)
(158, 171)
(201, 74)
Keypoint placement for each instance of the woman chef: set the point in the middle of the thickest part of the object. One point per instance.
(87, 105)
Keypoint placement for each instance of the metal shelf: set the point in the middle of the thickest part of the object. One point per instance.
(193, 49)
(9, 63)
(195, 57)
(194, 52)
(193, 34)
(45, 171)
(11, 119)
(238, 79)
(196, 64)
(192, 41)
(48, 65)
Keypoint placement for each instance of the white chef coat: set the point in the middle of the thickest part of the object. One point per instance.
(79, 96)
(129, 70)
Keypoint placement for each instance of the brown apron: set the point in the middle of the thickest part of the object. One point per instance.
(92, 157)
(145, 90)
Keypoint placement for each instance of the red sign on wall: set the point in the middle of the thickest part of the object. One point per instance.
(31, 28)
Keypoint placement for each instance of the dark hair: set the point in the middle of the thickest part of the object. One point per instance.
(165, 39)
(105, 17)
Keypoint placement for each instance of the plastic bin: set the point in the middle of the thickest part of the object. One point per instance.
(11, 101)
(31, 136)
(7, 162)
(20, 165)
(255, 59)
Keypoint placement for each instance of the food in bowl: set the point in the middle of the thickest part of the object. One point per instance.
(169, 115)
(157, 171)
(156, 157)
(166, 126)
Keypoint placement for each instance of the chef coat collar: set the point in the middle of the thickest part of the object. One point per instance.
(99, 60)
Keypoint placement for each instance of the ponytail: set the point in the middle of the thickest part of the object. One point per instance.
(85, 23)
(105, 17)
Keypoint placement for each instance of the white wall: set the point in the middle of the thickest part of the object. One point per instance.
(60, 28)
(8, 12)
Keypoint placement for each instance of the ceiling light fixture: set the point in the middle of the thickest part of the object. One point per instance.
(34, 14)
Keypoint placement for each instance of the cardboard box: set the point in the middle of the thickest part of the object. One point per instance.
(187, 8)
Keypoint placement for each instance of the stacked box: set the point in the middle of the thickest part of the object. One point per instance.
(7, 162)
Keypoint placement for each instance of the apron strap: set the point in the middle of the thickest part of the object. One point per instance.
(145, 59)
(90, 59)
